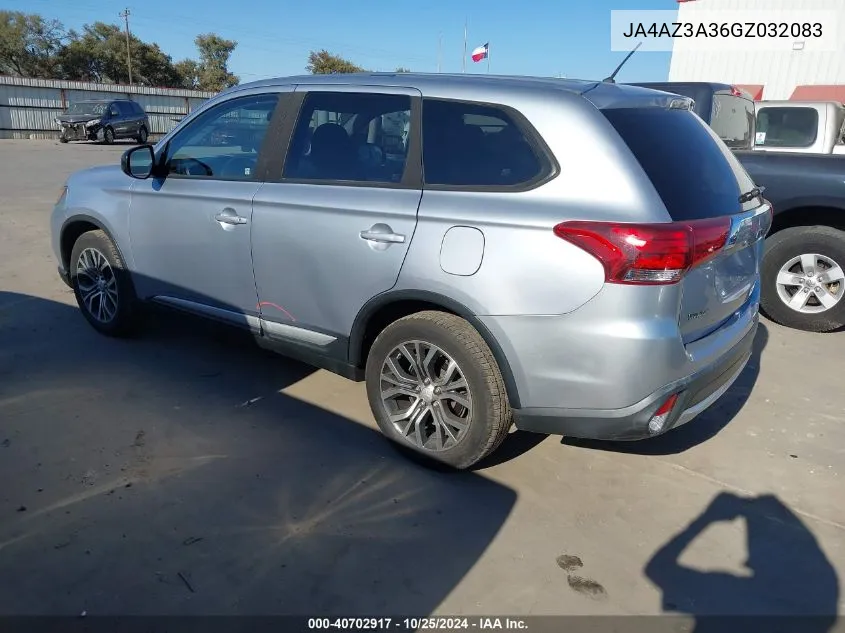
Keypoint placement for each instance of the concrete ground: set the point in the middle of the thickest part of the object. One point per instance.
(188, 473)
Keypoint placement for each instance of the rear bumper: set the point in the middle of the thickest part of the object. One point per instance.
(696, 393)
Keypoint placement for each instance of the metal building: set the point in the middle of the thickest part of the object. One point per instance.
(28, 107)
(799, 70)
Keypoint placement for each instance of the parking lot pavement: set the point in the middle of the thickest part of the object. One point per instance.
(185, 472)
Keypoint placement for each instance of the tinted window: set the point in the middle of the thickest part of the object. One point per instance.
(787, 127)
(125, 108)
(694, 173)
(223, 142)
(732, 119)
(466, 144)
(113, 110)
(350, 137)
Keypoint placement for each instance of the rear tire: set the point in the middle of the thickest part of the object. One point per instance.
(102, 286)
(142, 136)
(790, 254)
(460, 370)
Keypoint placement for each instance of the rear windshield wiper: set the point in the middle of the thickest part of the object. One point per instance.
(750, 195)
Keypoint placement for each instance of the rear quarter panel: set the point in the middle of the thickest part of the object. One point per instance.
(525, 268)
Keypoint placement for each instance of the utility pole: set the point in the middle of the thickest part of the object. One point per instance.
(439, 50)
(125, 16)
(464, 60)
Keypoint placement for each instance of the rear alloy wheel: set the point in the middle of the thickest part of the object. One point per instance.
(101, 284)
(142, 136)
(108, 136)
(435, 388)
(803, 278)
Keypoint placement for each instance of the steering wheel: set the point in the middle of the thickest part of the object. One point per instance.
(195, 167)
(236, 167)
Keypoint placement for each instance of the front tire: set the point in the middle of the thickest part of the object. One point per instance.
(435, 388)
(108, 136)
(803, 283)
(101, 285)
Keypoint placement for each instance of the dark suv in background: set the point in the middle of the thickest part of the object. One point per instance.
(104, 120)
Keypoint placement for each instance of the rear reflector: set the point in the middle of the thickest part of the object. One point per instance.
(648, 254)
(658, 420)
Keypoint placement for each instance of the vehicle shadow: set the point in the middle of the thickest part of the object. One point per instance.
(792, 585)
(705, 426)
(170, 474)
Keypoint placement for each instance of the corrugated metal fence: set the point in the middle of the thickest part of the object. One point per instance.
(28, 107)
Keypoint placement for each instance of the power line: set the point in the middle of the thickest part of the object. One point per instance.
(125, 16)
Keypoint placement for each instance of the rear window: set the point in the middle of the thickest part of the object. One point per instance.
(694, 173)
(733, 120)
(787, 127)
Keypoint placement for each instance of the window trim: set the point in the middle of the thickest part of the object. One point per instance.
(411, 176)
(261, 161)
(815, 127)
(550, 168)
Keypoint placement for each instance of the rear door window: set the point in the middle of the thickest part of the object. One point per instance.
(787, 127)
(694, 173)
(732, 119)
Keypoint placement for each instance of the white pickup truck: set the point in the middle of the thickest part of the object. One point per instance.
(809, 127)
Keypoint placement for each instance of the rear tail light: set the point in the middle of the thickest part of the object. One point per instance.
(647, 254)
(661, 416)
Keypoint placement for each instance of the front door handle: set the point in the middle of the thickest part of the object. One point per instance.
(383, 237)
(229, 216)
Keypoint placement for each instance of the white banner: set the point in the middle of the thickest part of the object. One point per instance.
(715, 30)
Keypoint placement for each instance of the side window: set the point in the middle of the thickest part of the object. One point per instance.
(787, 126)
(223, 142)
(477, 145)
(113, 111)
(358, 137)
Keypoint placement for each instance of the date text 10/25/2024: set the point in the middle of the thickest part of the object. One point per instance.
(418, 624)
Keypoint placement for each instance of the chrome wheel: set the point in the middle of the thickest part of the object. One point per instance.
(97, 285)
(810, 283)
(426, 396)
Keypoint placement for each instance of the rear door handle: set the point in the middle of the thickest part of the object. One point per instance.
(229, 216)
(383, 238)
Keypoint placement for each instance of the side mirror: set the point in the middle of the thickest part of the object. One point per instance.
(138, 162)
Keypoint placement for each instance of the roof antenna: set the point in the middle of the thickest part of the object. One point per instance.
(610, 80)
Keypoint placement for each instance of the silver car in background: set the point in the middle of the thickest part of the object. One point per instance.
(574, 257)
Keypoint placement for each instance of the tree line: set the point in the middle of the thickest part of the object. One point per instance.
(33, 46)
(37, 47)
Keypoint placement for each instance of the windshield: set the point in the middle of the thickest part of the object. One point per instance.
(86, 108)
(787, 127)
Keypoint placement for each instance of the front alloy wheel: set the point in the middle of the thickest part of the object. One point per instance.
(426, 396)
(97, 285)
(102, 285)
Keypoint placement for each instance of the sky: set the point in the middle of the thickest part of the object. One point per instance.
(569, 38)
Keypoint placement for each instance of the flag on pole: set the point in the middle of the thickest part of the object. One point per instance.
(480, 53)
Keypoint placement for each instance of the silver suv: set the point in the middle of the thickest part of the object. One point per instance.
(574, 258)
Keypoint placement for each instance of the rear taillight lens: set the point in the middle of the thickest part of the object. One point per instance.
(647, 253)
